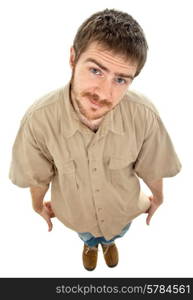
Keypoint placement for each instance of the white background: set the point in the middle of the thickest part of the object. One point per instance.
(34, 44)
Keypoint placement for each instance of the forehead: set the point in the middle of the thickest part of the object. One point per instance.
(108, 57)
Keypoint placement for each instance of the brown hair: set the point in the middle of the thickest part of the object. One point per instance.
(116, 31)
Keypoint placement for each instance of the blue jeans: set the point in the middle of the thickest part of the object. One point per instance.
(92, 241)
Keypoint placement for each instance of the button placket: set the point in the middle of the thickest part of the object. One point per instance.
(96, 180)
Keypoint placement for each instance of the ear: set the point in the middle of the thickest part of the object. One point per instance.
(72, 57)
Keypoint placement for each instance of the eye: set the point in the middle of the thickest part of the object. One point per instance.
(120, 80)
(95, 71)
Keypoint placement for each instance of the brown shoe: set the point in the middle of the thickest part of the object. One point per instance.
(110, 253)
(89, 257)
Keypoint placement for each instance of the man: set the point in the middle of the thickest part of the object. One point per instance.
(93, 138)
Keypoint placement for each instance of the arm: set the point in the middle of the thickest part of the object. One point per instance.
(41, 207)
(156, 188)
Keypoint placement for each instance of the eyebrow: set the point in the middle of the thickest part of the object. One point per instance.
(107, 70)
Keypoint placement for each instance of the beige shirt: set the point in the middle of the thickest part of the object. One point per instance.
(94, 176)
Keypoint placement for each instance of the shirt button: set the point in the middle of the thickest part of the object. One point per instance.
(97, 190)
(94, 169)
(102, 221)
(99, 208)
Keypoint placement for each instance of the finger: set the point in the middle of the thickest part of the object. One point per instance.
(148, 219)
(50, 225)
(49, 208)
(149, 216)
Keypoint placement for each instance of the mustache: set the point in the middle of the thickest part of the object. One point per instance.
(96, 98)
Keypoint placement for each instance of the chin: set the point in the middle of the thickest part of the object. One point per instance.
(90, 114)
(97, 115)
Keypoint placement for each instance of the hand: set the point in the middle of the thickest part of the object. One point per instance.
(47, 213)
(155, 203)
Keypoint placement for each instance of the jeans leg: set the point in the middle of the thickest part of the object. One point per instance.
(124, 230)
(88, 239)
(92, 241)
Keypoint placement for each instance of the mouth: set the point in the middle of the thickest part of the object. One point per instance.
(95, 104)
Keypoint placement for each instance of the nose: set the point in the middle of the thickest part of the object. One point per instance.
(105, 89)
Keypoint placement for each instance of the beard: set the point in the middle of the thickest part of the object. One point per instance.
(78, 101)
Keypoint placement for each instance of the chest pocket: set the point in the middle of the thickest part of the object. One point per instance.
(120, 169)
(67, 174)
(118, 163)
(67, 167)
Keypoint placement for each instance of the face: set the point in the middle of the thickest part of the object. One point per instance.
(99, 80)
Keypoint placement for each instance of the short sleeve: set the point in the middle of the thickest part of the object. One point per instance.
(30, 166)
(157, 157)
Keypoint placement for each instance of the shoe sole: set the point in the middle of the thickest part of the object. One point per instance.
(89, 269)
(112, 265)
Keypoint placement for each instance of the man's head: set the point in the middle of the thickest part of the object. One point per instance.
(109, 50)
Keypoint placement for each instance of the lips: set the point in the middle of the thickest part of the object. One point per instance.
(95, 103)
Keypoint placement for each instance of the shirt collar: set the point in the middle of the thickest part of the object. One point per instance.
(112, 121)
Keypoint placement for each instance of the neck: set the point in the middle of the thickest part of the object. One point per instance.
(92, 124)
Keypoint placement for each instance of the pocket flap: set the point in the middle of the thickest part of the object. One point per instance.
(119, 162)
(67, 166)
